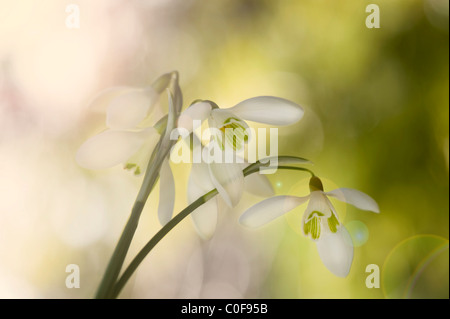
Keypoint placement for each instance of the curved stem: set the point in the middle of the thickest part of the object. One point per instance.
(118, 257)
(150, 178)
(156, 239)
(293, 168)
(253, 168)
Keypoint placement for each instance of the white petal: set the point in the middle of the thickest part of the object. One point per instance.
(139, 161)
(269, 209)
(336, 251)
(110, 148)
(355, 198)
(129, 109)
(220, 116)
(268, 110)
(196, 112)
(102, 100)
(204, 219)
(205, 216)
(228, 129)
(166, 193)
(258, 184)
(229, 181)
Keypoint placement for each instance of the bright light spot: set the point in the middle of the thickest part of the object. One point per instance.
(358, 231)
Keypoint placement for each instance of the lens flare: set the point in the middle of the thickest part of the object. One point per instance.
(417, 268)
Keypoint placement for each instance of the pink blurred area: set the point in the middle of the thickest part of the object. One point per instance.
(50, 208)
(49, 70)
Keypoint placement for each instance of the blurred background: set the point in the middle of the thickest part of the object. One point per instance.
(376, 119)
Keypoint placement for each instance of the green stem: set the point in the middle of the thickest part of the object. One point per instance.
(253, 168)
(121, 250)
(151, 176)
(156, 239)
(293, 168)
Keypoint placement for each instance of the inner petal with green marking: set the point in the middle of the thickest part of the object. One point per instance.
(312, 225)
(333, 223)
(137, 163)
(234, 131)
(133, 166)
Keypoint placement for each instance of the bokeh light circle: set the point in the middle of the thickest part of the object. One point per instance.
(358, 231)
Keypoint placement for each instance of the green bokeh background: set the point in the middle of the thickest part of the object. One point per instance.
(376, 119)
(381, 96)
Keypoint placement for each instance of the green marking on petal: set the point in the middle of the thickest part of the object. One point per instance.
(218, 138)
(312, 225)
(131, 166)
(333, 223)
(315, 213)
(307, 228)
(315, 228)
(234, 132)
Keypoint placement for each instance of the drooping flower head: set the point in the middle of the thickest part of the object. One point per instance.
(262, 109)
(229, 130)
(131, 114)
(320, 221)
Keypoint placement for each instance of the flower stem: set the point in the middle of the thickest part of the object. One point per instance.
(253, 168)
(156, 239)
(293, 168)
(120, 252)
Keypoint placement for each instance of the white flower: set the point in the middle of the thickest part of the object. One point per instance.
(130, 137)
(228, 177)
(320, 221)
(263, 109)
(125, 140)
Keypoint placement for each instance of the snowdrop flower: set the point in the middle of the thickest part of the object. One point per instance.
(320, 221)
(228, 177)
(263, 109)
(130, 137)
